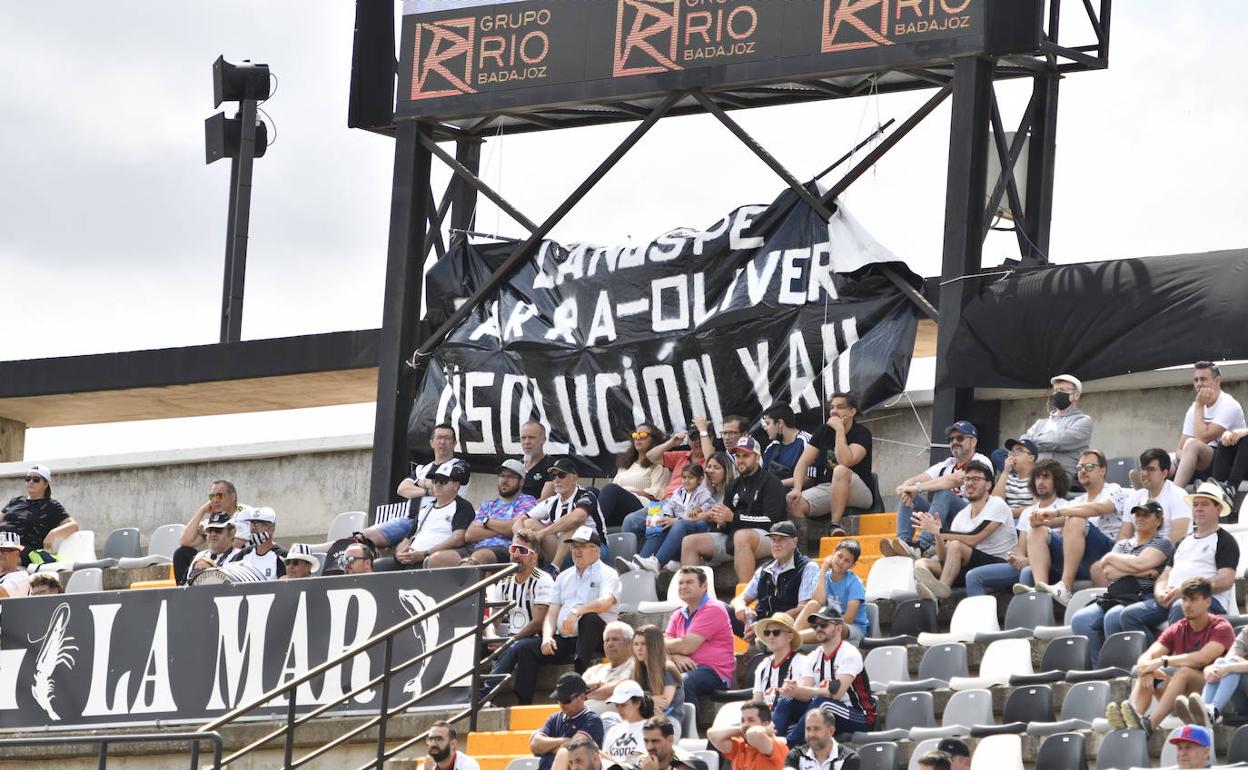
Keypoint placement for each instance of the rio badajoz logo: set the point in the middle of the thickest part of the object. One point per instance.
(850, 25)
(653, 36)
(459, 56)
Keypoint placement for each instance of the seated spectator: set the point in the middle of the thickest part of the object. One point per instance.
(624, 743)
(700, 443)
(418, 488)
(435, 537)
(531, 589)
(1129, 568)
(1174, 665)
(300, 563)
(840, 455)
(219, 532)
(442, 747)
(982, 533)
(654, 672)
(617, 647)
(639, 480)
(14, 581)
(222, 499)
(1067, 431)
(937, 491)
(685, 511)
(572, 721)
(661, 754)
(45, 583)
(720, 471)
(753, 501)
(1013, 485)
(786, 445)
(357, 559)
(782, 643)
(568, 509)
(581, 605)
(1218, 412)
(784, 584)
(537, 463)
(821, 751)
(1047, 484)
(1154, 465)
(1226, 687)
(489, 535)
(935, 760)
(1195, 746)
(1209, 552)
(833, 677)
(699, 637)
(39, 521)
(837, 586)
(1090, 524)
(958, 751)
(261, 553)
(752, 745)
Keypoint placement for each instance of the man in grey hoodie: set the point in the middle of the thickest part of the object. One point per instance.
(1067, 431)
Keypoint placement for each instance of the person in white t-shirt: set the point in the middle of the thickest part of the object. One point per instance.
(1154, 466)
(1213, 412)
(418, 488)
(14, 581)
(437, 533)
(938, 491)
(982, 533)
(261, 553)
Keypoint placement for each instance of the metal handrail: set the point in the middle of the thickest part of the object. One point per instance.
(194, 738)
(385, 637)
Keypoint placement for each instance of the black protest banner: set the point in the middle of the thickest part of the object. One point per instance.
(591, 340)
(191, 654)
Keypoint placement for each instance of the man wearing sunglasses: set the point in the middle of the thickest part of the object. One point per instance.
(572, 720)
(437, 533)
(832, 677)
(1154, 469)
(569, 509)
(937, 490)
(530, 589)
(489, 535)
(222, 498)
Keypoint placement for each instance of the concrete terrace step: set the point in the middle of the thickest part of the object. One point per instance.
(505, 742)
(528, 717)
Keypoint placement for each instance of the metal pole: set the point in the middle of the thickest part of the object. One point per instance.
(1041, 161)
(238, 225)
(103, 756)
(479, 654)
(964, 216)
(229, 253)
(464, 195)
(290, 731)
(396, 383)
(386, 663)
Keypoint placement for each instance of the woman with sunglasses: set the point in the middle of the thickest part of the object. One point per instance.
(38, 520)
(639, 480)
(656, 674)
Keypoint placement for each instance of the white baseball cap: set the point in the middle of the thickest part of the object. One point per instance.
(1072, 379)
(42, 470)
(513, 466)
(301, 552)
(257, 514)
(11, 540)
(625, 691)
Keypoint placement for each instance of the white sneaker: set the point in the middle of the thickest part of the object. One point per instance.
(647, 563)
(672, 566)
(623, 565)
(1061, 594)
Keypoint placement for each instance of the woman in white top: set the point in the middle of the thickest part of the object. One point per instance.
(638, 482)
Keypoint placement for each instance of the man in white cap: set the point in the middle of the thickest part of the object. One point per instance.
(489, 534)
(437, 533)
(418, 488)
(1067, 431)
(261, 553)
(300, 563)
(219, 532)
(14, 581)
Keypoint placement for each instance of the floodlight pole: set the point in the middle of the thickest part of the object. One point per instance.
(237, 226)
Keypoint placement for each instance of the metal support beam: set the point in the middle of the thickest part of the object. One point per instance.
(964, 220)
(464, 195)
(237, 225)
(475, 182)
(1041, 162)
(521, 252)
(400, 330)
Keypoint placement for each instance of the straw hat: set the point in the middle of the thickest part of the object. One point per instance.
(780, 619)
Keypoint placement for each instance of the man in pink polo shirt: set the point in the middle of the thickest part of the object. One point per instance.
(699, 637)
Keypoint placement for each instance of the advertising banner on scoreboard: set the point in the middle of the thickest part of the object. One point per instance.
(191, 654)
(467, 56)
(711, 322)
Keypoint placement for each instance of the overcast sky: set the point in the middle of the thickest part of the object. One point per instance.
(113, 228)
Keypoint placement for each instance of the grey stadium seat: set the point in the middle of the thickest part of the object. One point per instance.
(1123, 749)
(939, 665)
(911, 618)
(878, 756)
(906, 712)
(638, 587)
(965, 709)
(1063, 751)
(1033, 703)
(1084, 703)
(887, 666)
(160, 547)
(122, 543)
(622, 545)
(1118, 657)
(1026, 611)
(1062, 655)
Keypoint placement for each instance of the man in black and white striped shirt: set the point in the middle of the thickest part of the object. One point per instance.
(530, 589)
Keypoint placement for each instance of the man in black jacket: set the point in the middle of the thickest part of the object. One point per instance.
(753, 502)
(783, 585)
(821, 751)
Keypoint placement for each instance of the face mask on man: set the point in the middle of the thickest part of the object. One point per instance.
(1060, 400)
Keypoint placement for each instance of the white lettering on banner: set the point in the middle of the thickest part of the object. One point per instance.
(366, 620)
(513, 418)
(634, 392)
(652, 376)
(660, 323)
(155, 672)
(821, 274)
(603, 382)
(489, 326)
(801, 375)
(234, 654)
(636, 307)
(572, 267)
(522, 312)
(295, 662)
(703, 393)
(706, 236)
(564, 322)
(631, 256)
(584, 441)
(603, 325)
(726, 305)
(849, 328)
(667, 247)
(541, 277)
(102, 616)
(789, 273)
(607, 255)
(10, 666)
(552, 447)
(757, 282)
(700, 314)
(744, 218)
(479, 414)
(756, 370)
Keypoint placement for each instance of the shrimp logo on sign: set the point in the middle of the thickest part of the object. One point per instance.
(55, 651)
(442, 59)
(645, 37)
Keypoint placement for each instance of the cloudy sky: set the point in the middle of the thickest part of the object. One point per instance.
(113, 228)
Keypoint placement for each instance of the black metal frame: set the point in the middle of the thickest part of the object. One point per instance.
(237, 226)
(104, 741)
(970, 80)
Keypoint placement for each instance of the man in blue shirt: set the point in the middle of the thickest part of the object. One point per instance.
(573, 718)
(787, 446)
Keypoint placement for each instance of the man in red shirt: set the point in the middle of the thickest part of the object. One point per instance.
(753, 745)
(1174, 666)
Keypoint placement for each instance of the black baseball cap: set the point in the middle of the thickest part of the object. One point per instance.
(954, 747)
(782, 529)
(455, 470)
(566, 465)
(568, 686)
(1151, 506)
(219, 520)
(828, 613)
